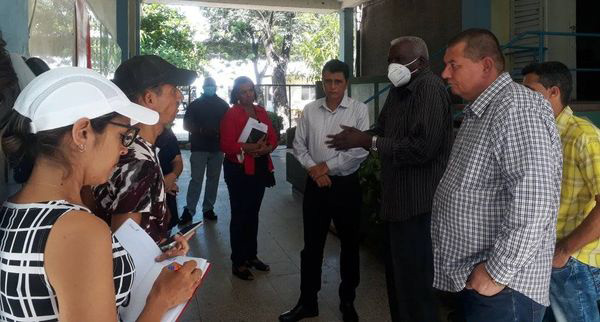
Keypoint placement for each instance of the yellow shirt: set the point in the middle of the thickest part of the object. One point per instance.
(580, 179)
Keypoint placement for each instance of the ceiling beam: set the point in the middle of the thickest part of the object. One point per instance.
(319, 6)
(352, 3)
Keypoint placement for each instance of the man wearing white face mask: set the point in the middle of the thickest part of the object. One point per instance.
(413, 137)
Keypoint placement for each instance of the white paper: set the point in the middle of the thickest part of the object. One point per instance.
(143, 251)
(250, 125)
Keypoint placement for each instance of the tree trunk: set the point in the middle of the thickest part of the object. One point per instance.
(281, 59)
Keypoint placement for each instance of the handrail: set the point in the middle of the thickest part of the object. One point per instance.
(541, 49)
(512, 45)
(378, 93)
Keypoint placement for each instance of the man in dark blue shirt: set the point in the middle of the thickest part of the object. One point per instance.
(202, 119)
(171, 165)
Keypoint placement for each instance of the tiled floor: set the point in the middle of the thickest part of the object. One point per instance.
(224, 297)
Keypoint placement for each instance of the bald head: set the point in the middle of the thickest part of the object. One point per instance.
(409, 51)
(412, 45)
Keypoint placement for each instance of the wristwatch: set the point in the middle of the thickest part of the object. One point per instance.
(374, 143)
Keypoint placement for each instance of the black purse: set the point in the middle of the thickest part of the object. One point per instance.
(261, 166)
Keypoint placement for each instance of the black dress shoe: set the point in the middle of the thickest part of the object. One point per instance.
(299, 312)
(259, 265)
(348, 312)
(210, 215)
(186, 217)
(243, 273)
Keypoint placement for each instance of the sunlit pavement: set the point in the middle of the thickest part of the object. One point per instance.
(224, 297)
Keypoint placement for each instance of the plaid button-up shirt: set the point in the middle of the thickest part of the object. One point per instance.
(498, 199)
(581, 179)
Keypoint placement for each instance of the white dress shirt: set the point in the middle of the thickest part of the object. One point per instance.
(317, 122)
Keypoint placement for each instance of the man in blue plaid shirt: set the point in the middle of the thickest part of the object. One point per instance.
(494, 211)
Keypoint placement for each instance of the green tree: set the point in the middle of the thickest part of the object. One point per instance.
(254, 35)
(318, 41)
(271, 36)
(166, 32)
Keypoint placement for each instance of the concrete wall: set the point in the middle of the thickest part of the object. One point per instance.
(500, 20)
(13, 25)
(436, 21)
(561, 17)
(476, 14)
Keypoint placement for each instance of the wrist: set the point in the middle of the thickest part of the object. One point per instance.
(562, 249)
(155, 306)
(366, 141)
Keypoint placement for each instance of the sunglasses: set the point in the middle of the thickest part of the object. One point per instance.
(129, 136)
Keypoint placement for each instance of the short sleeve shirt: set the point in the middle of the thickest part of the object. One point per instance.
(136, 186)
(581, 179)
(168, 149)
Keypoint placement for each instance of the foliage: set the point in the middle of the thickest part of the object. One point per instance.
(318, 41)
(166, 32)
(239, 34)
(234, 34)
(271, 37)
(254, 35)
(52, 32)
(277, 122)
(369, 175)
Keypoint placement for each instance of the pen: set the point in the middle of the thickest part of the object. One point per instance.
(174, 266)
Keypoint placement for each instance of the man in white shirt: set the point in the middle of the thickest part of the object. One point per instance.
(332, 191)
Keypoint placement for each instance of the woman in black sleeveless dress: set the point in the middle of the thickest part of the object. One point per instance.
(57, 260)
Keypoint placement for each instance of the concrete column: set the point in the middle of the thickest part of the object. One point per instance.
(14, 20)
(123, 27)
(136, 26)
(347, 37)
(128, 27)
(476, 14)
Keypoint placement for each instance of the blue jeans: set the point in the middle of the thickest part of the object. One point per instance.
(574, 293)
(508, 305)
(201, 161)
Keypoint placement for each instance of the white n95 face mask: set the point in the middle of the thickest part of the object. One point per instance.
(399, 74)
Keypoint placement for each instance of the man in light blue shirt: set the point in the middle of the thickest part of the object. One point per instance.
(332, 191)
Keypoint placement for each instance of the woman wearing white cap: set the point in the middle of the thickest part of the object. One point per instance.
(55, 256)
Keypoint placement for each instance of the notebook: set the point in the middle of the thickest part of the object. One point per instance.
(143, 251)
(253, 131)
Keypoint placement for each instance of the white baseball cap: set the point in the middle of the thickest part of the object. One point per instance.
(61, 96)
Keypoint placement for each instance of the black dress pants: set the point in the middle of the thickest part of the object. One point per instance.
(341, 203)
(245, 197)
(409, 270)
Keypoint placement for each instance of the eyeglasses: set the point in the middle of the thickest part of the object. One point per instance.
(129, 136)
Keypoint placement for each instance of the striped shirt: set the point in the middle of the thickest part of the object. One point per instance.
(26, 294)
(317, 122)
(498, 200)
(414, 132)
(581, 179)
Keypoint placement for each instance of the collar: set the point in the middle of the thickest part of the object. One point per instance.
(418, 75)
(484, 99)
(141, 141)
(345, 103)
(562, 120)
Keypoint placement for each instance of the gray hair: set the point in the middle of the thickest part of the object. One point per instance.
(419, 46)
